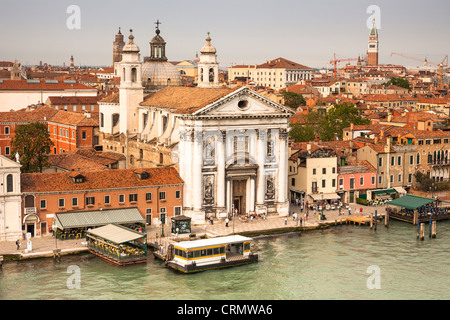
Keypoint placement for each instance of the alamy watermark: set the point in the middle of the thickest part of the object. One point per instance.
(74, 280)
(374, 280)
(73, 22)
(375, 16)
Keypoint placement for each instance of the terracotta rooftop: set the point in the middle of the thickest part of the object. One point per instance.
(98, 180)
(72, 100)
(42, 84)
(185, 100)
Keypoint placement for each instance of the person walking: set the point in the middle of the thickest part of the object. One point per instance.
(18, 244)
(226, 222)
(349, 211)
(285, 220)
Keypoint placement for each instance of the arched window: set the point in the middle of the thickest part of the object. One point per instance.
(133, 75)
(9, 183)
(161, 158)
(211, 75)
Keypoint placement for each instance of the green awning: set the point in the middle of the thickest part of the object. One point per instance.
(385, 191)
(97, 218)
(410, 201)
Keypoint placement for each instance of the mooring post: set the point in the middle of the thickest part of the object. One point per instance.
(422, 231)
(1, 261)
(433, 229)
(386, 218)
(418, 229)
(371, 220)
(431, 220)
(375, 220)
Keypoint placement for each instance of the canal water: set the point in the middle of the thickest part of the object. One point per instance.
(343, 262)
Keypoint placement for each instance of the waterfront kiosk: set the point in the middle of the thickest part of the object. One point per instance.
(73, 225)
(117, 244)
(181, 225)
(415, 209)
(214, 253)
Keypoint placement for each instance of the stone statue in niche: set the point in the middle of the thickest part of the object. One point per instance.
(209, 153)
(270, 188)
(208, 190)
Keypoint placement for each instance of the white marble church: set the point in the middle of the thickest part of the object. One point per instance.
(230, 145)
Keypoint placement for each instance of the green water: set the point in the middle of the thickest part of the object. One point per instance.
(329, 264)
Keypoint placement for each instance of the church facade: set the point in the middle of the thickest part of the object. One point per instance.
(229, 145)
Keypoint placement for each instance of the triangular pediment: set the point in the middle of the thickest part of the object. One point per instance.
(245, 102)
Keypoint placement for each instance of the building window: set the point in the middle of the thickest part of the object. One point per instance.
(333, 183)
(121, 198)
(162, 195)
(361, 181)
(133, 197)
(7, 151)
(380, 162)
(177, 211)
(411, 159)
(314, 171)
(107, 199)
(83, 135)
(324, 170)
(352, 183)
(43, 204)
(90, 201)
(399, 178)
(323, 183)
(293, 182)
(148, 196)
(74, 202)
(61, 203)
(178, 194)
(373, 180)
(399, 160)
(9, 183)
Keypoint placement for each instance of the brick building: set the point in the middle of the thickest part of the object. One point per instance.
(151, 191)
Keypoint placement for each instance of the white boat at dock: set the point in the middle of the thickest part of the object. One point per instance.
(206, 254)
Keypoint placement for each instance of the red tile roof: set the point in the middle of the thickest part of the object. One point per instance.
(26, 85)
(185, 100)
(98, 180)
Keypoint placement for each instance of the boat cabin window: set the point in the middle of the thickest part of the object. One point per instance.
(246, 246)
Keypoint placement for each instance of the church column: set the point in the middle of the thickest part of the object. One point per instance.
(197, 181)
(261, 154)
(282, 166)
(221, 169)
(186, 161)
(229, 195)
(252, 194)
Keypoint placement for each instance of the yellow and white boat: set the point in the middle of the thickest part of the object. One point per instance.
(214, 253)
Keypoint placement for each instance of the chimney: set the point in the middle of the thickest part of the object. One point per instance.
(351, 126)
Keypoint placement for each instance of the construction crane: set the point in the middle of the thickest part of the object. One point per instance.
(336, 61)
(441, 66)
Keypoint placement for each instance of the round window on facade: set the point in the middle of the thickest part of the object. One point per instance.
(243, 104)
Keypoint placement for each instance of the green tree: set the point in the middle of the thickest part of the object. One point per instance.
(32, 142)
(293, 100)
(302, 133)
(399, 82)
(338, 118)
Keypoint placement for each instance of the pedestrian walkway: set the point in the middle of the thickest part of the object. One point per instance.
(44, 246)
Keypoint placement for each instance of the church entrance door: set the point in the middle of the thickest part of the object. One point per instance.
(239, 195)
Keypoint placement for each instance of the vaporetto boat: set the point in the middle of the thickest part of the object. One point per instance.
(214, 253)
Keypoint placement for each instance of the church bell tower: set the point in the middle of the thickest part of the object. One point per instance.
(208, 67)
(372, 49)
(131, 92)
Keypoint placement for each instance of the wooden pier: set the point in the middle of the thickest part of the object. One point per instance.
(362, 220)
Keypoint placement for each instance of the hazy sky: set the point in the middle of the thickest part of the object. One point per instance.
(244, 31)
